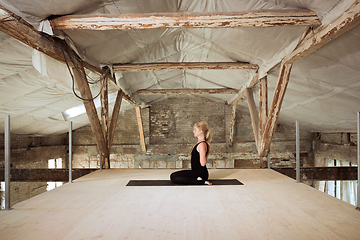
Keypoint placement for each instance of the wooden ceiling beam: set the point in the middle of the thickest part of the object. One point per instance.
(185, 91)
(255, 18)
(19, 29)
(322, 35)
(159, 66)
(16, 27)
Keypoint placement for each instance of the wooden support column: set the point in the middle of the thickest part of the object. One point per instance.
(104, 99)
(263, 114)
(232, 125)
(263, 104)
(114, 117)
(83, 85)
(141, 130)
(275, 107)
(253, 114)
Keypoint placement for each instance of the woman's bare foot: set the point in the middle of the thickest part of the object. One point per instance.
(208, 183)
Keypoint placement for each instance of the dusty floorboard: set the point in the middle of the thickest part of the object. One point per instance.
(100, 206)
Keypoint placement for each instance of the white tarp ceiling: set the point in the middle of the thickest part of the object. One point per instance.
(323, 92)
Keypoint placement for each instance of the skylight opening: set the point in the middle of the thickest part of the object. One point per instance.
(78, 110)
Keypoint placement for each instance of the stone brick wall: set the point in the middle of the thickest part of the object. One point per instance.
(336, 146)
(168, 127)
(172, 120)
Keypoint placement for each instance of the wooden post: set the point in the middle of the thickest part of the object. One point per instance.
(141, 131)
(263, 105)
(263, 162)
(275, 107)
(254, 115)
(232, 126)
(114, 117)
(104, 99)
(83, 85)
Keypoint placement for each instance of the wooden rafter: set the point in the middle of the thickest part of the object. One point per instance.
(313, 41)
(114, 117)
(16, 27)
(186, 91)
(253, 114)
(19, 29)
(274, 111)
(141, 130)
(159, 66)
(83, 86)
(256, 18)
(263, 105)
(104, 96)
(232, 125)
(324, 34)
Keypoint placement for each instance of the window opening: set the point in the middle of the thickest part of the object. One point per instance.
(54, 164)
(343, 190)
(2, 195)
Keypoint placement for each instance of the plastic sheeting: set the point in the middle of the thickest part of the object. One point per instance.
(323, 92)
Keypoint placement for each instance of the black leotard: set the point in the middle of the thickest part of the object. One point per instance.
(190, 176)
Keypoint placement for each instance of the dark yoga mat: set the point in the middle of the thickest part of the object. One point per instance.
(169, 183)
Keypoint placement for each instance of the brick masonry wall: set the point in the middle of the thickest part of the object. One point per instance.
(168, 127)
(336, 146)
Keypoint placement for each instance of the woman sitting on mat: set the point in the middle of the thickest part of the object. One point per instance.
(198, 174)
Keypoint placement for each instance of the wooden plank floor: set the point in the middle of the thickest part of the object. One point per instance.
(100, 206)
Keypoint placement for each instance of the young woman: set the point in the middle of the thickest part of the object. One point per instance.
(198, 174)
